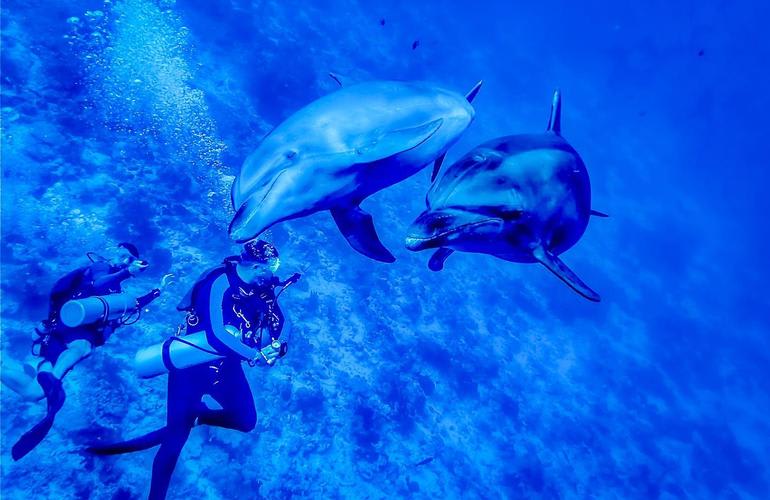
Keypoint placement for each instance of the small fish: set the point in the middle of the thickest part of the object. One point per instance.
(701, 52)
(424, 461)
(382, 22)
(415, 44)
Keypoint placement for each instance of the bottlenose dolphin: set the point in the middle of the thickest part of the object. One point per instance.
(342, 148)
(522, 198)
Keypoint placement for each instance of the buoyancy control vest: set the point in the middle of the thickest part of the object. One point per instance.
(252, 310)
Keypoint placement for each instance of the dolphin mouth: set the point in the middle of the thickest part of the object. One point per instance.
(247, 212)
(416, 243)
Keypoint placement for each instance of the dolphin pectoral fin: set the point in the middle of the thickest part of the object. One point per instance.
(396, 141)
(596, 213)
(436, 262)
(557, 267)
(358, 228)
(437, 167)
(554, 122)
(474, 91)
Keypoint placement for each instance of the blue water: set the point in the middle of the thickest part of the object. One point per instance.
(127, 120)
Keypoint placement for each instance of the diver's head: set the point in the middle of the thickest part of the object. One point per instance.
(128, 256)
(259, 261)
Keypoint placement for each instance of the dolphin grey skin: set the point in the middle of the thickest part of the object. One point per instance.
(522, 198)
(342, 148)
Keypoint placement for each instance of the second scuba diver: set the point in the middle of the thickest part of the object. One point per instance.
(85, 308)
(233, 315)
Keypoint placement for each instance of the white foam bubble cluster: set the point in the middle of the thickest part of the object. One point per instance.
(139, 72)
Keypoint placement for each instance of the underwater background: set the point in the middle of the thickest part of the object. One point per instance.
(126, 120)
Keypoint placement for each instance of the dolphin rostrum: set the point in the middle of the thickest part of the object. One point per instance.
(342, 148)
(522, 198)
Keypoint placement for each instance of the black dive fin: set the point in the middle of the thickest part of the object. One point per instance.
(598, 214)
(436, 262)
(437, 167)
(32, 438)
(336, 78)
(475, 90)
(358, 228)
(55, 397)
(557, 267)
(149, 440)
(554, 122)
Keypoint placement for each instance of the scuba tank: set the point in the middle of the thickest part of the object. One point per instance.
(103, 308)
(174, 353)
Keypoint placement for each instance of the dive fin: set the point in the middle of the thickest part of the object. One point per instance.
(32, 438)
(554, 122)
(475, 90)
(149, 440)
(598, 214)
(437, 167)
(436, 262)
(396, 141)
(358, 228)
(557, 267)
(55, 399)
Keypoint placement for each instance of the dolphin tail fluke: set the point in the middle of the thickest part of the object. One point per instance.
(554, 122)
(437, 167)
(475, 90)
(436, 262)
(597, 213)
(557, 267)
(358, 228)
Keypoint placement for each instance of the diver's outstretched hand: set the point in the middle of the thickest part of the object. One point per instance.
(137, 266)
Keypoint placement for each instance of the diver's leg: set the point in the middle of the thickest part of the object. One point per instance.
(76, 351)
(165, 460)
(234, 394)
(21, 379)
(185, 390)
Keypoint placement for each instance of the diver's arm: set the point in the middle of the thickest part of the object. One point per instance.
(147, 298)
(111, 280)
(216, 299)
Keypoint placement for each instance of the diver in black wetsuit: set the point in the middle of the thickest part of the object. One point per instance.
(236, 305)
(60, 347)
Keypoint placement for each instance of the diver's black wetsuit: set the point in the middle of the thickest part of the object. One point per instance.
(244, 306)
(98, 278)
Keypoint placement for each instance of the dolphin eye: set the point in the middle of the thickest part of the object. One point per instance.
(291, 154)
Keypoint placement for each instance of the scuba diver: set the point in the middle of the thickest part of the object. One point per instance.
(232, 316)
(85, 308)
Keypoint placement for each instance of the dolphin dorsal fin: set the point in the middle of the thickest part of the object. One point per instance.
(475, 90)
(554, 122)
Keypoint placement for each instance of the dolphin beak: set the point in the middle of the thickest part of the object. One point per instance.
(442, 228)
(426, 231)
(256, 213)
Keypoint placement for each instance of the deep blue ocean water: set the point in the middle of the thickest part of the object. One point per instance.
(127, 120)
